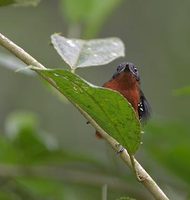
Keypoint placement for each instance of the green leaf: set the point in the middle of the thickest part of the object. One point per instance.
(19, 121)
(8, 154)
(22, 131)
(101, 10)
(108, 108)
(26, 144)
(84, 53)
(6, 2)
(168, 143)
(5, 195)
(92, 14)
(75, 10)
(27, 2)
(11, 190)
(182, 91)
(19, 2)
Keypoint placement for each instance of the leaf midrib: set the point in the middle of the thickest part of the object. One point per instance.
(75, 65)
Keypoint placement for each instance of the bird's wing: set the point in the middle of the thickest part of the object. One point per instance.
(144, 109)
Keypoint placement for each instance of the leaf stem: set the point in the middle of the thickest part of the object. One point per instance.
(146, 179)
(73, 71)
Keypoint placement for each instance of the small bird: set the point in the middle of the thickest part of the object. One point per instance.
(126, 80)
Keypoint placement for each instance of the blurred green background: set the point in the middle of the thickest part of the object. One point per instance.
(47, 151)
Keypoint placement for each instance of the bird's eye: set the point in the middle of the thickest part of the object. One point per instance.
(119, 68)
(134, 71)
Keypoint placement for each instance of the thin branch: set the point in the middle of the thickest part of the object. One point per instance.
(19, 52)
(146, 179)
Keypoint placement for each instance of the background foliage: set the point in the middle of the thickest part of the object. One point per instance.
(37, 165)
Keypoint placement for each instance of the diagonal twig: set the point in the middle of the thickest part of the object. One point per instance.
(145, 178)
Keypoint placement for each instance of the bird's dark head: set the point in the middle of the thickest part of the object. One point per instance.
(128, 68)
